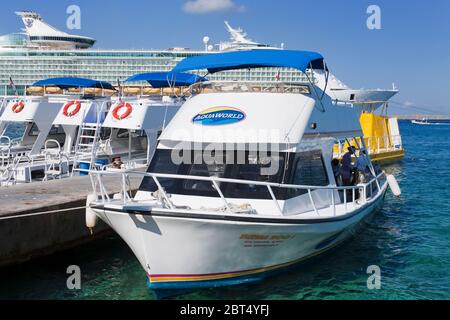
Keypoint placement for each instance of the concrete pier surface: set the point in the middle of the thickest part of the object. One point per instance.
(23, 238)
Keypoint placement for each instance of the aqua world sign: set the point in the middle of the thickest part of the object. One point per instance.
(219, 116)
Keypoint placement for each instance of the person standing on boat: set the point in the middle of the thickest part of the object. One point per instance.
(362, 165)
(362, 162)
(346, 168)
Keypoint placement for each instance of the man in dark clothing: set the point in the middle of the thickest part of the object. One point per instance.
(347, 167)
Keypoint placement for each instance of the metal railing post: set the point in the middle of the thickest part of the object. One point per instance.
(345, 198)
(274, 199)
(333, 202)
(216, 186)
(312, 202)
(124, 190)
(161, 189)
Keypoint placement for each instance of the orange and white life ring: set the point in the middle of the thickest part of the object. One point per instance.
(74, 111)
(115, 112)
(18, 107)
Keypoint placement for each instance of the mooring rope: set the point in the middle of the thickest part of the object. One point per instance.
(41, 213)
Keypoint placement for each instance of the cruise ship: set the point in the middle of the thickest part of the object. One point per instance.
(42, 51)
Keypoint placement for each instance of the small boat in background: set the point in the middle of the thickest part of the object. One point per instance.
(424, 121)
(427, 122)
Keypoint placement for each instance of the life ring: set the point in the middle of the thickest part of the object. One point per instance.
(115, 112)
(74, 111)
(18, 107)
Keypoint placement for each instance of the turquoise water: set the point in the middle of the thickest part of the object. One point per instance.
(409, 239)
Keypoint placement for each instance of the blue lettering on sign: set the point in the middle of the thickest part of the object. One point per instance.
(219, 116)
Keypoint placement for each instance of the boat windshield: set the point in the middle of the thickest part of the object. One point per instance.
(303, 168)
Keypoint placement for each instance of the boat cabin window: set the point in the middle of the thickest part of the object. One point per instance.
(303, 168)
(55, 130)
(34, 130)
(308, 169)
(124, 133)
(203, 170)
(105, 133)
(249, 167)
(261, 169)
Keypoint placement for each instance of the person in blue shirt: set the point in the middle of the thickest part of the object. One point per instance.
(362, 162)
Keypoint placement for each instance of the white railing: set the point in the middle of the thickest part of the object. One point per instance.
(383, 143)
(233, 86)
(374, 145)
(359, 194)
(8, 175)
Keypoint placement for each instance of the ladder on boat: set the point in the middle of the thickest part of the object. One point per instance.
(88, 139)
(86, 145)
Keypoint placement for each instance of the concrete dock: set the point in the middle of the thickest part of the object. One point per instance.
(23, 238)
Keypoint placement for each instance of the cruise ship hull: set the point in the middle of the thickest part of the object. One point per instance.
(183, 251)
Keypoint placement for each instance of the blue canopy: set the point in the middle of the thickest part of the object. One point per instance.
(250, 59)
(65, 83)
(167, 79)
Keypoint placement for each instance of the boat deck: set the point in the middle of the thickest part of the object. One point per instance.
(331, 211)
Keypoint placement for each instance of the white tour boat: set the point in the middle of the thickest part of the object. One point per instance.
(241, 183)
(70, 133)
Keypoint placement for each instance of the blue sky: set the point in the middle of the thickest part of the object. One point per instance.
(412, 49)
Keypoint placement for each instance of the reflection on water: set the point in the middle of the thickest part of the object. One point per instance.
(409, 239)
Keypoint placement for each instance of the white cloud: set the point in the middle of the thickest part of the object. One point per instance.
(207, 6)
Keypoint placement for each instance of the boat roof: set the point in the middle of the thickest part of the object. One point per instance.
(167, 79)
(217, 62)
(65, 83)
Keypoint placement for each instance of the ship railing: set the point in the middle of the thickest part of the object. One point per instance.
(374, 145)
(349, 196)
(251, 86)
(379, 144)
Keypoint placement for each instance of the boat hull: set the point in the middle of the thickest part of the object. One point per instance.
(190, 252)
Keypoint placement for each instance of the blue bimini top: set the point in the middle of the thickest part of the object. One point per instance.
(167, 79)
(217, 62)
(65, 83)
